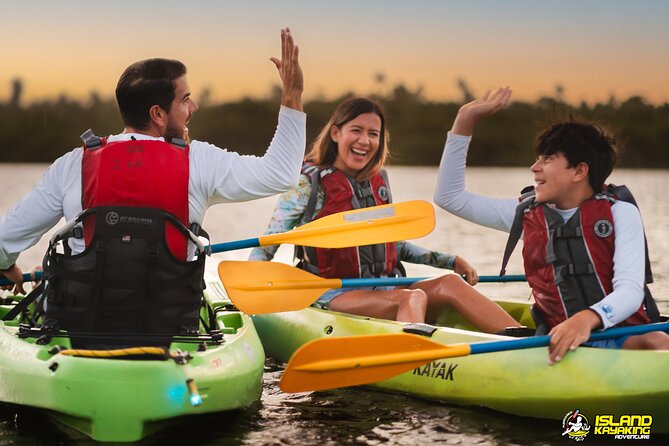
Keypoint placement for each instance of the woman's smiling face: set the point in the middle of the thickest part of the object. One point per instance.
(357, 142)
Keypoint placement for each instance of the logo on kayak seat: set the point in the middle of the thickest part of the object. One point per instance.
(575, 426)
(603, 228)
(112, 218)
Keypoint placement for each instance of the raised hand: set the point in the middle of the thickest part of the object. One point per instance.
(290, 71)
(472, 112)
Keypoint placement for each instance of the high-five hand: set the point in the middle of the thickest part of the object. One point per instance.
(472, 112)
(290, 71)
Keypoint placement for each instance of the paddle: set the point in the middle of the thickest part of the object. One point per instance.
(379, 224)
(270, 287)
(328, 363)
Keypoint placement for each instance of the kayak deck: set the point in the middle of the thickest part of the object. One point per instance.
(123, 400)
(595, 381)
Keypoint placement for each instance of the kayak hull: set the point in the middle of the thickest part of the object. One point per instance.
(519, 382)
(123, 400)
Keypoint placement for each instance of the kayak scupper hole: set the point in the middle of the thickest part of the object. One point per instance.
(328, 329)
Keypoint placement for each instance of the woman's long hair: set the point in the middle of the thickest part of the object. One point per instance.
(324, 150)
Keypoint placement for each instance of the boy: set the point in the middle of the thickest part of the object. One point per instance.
(584, 251)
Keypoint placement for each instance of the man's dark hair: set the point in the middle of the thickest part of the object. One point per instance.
(581, 142)
(144, 84)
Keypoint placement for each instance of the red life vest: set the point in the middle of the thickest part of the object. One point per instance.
(343, 193)
(138, 173)
(134, 276)
(569, 265)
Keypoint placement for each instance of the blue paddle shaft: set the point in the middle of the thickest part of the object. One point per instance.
(26, 278)
(345, 283)
(238, 244)
(380, 281)
(219, 247)
(542, 341)
(401, 281)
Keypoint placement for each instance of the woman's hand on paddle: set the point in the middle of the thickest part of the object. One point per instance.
(463, 268)
(472, 112)
(568, 335)
(15, 275)
(290, 71)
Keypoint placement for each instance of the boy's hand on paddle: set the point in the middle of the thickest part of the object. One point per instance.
(568, 335)
(463, 268)
(290, 71)
(472, 112)
(14, 274)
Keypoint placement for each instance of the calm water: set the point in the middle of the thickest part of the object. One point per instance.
(361, 416)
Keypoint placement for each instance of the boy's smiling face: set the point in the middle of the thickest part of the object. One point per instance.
(554, 180)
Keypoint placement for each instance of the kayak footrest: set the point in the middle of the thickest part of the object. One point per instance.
(420, 329)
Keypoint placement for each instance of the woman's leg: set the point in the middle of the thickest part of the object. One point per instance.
(399, 304)
(451, 290)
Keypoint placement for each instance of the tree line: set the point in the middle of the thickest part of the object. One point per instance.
(43, 131)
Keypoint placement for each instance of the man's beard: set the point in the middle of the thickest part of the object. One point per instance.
(172, 132)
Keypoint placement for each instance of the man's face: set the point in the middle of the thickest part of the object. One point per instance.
(553, 180)
(181, 110)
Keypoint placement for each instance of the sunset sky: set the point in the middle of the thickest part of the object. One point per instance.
(593, 48)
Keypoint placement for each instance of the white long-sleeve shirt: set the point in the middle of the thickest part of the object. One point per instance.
(629, 251)
(216, 176)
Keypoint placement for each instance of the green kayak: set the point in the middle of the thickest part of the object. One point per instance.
(615, 384)
(126, 397)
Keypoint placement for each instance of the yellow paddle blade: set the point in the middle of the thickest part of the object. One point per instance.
(329, 363)
(271, 287)
(379, 224)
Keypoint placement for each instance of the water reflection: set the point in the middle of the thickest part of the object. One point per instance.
(357, 416)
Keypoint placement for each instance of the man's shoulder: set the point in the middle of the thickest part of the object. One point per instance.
(70, 158)
(200, 147)
(201, 152)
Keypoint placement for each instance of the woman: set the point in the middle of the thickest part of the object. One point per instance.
(343, 171)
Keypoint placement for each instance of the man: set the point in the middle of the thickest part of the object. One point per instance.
(605, 234)
(155, 103)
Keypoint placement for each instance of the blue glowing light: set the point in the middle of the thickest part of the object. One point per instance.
(196, 399)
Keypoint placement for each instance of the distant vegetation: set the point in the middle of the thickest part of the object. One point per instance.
(43, 131)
